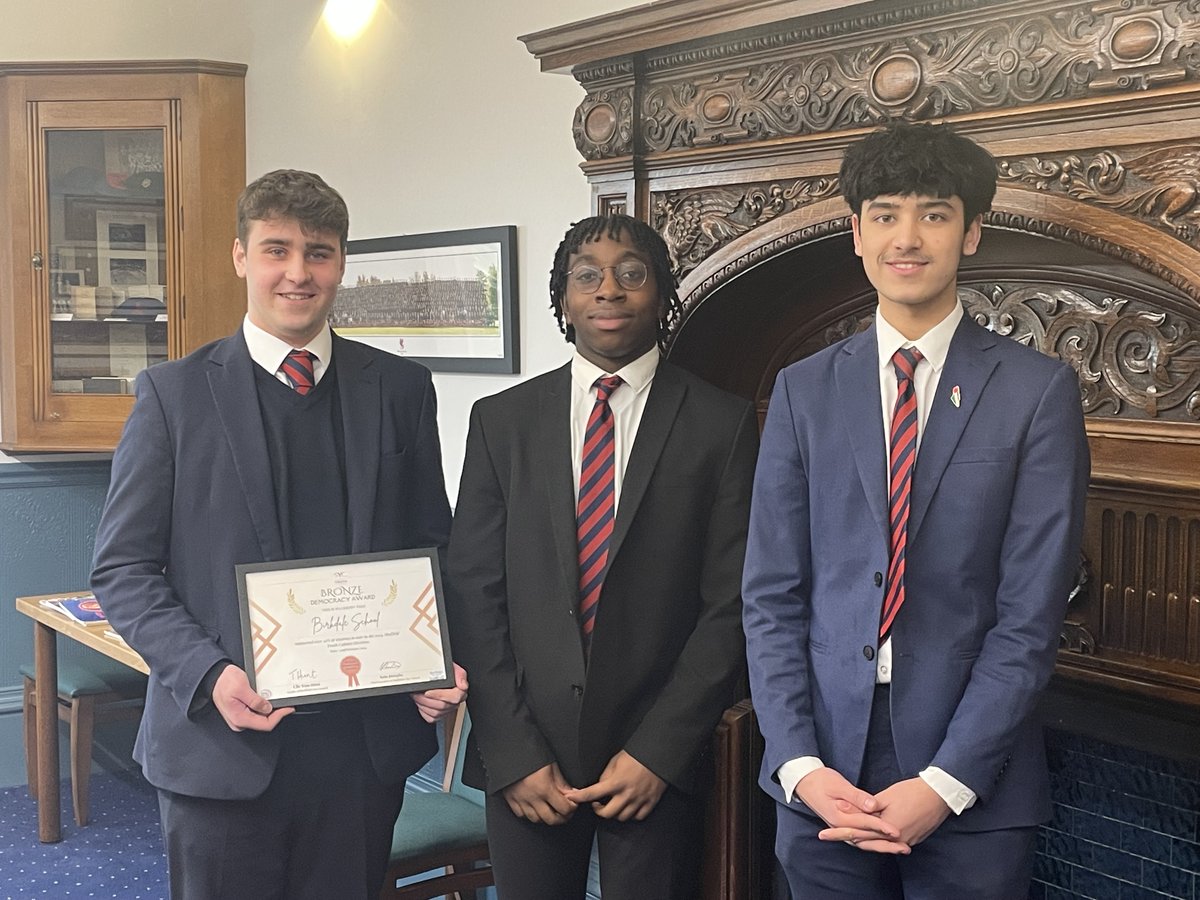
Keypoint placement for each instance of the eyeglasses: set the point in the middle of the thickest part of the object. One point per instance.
(630, 275)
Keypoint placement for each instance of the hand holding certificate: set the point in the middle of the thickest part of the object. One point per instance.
(327, 629)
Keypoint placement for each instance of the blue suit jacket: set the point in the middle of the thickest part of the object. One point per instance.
(993, 543)
(192, 496)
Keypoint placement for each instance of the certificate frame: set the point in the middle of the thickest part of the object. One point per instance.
(298, 616)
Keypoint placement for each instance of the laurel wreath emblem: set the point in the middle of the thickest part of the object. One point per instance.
(391, 596)
(296, 607)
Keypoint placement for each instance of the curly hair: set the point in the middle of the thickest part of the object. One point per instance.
(614, 227)
(292, 194)
(932, 160)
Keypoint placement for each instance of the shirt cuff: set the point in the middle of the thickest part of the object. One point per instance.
(956, 795)
(792, 771)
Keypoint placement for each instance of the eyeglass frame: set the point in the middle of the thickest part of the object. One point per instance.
(570, 275)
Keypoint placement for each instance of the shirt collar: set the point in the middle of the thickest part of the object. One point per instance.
(933, 344)
(270, 352)
(637, 374)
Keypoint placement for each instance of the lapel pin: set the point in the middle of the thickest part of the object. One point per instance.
(956, 396)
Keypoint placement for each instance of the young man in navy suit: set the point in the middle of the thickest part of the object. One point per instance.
(595, 567)
(915, 528)
(282, 441)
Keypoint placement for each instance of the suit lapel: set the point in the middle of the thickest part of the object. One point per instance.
(229, 376)
(666, 394)
(856, 381)
(551, 443)
(359, 393)
(968, 367)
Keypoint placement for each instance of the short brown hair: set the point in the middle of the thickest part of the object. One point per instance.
(292, 194)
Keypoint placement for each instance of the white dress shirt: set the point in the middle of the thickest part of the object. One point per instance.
(627, 403)
(934, 345)
(269, 352)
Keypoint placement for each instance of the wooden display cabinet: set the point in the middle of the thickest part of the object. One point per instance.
(118, 185)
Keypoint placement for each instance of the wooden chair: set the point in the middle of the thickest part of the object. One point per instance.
(441, 830)
(101, 690)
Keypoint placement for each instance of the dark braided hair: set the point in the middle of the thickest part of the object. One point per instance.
(906, 159)
(644, 238)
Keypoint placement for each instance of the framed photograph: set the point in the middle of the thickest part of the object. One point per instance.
(446, 299)
(324, 629)
(126, 247)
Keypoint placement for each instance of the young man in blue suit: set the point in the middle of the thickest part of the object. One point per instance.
(282, 441)
(915, 528)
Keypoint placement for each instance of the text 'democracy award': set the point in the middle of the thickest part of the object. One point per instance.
(349, 626)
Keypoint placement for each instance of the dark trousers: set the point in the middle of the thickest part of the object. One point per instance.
(322, 829)
(948, 865)
(656, 858)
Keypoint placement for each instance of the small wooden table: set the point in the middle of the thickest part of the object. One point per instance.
(46, 624)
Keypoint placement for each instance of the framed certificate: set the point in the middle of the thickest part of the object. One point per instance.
(315, 630)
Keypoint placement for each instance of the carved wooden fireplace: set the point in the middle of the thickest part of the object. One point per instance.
(722, 123)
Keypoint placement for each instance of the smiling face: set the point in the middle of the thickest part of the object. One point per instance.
(291, 277)
(615, 325)
(911, 246)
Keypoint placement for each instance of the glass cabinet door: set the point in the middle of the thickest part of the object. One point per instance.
(105, 229)
(106, 253)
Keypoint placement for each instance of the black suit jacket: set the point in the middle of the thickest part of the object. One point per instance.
(191, 497)
(667, 650)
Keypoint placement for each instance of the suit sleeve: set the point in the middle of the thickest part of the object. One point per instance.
(429, 520)
(1038, 560)
(132, 549)
(510, 740)
(776, 589)
(701, 682)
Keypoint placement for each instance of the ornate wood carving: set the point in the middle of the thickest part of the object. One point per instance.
(904, 68)
(1133, 361)
(1160, 186)
(694, 223)
(603, 125)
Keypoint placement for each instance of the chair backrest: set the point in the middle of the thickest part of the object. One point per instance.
(458, 726)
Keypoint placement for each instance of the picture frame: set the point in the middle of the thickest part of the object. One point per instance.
(446, 299)
(126, 247)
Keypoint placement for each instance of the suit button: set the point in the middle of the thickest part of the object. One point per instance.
(869, 652)
(878, 579)
(578, 689)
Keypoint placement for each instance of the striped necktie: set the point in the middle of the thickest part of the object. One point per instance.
(903, 442)
(597, 499)
(298, 370)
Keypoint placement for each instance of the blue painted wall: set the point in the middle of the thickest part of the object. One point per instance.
(48, 518)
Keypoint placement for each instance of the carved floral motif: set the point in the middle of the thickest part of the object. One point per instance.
(1162, 187)
(694, 223)
(1132, 361)
(1085, 49)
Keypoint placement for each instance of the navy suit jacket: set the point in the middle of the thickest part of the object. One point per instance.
(192, 496)
(666, 653)
(993, 543)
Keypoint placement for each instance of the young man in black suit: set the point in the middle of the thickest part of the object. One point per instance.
(599, 621)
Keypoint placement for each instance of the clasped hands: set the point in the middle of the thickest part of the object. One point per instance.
(893, 821)
(244, 710)
(626, 790)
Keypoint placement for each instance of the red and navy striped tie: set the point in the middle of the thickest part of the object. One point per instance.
(597, 500)
(903, 442)
(298, 370)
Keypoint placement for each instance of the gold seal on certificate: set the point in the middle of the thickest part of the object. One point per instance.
(315, 630)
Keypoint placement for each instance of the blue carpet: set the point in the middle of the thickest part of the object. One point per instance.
(117, 855)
